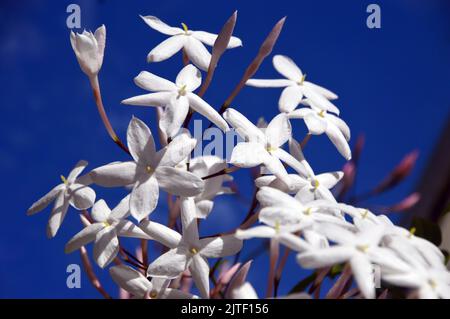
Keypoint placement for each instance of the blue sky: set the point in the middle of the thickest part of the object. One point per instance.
(392, 83)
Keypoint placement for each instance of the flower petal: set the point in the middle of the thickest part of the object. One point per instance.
(76, 171)
(100, 211)
(221, 246)
(321, 90)
(204, 207)
(319, 101)
(106, 246)
(158, 25)
(248, 154)
(197, 53)
(131, 280)
(44, 201)
(151, 82)
(293, 242)
(240, 123)
(319, 258)
(151, 99)
(161, 233)
(169, 265)
(140, 142)
(341, 125)
(144, 197)
(199, 269)
(167, 48)
(363, 274)
(209, 39)
(122, 210)
(338, 139)
(200, 106)
(290, 98)
(81, 196)
(114, 174)
(267, 83)
(255, 232)
(176, 151)
(125, 228)
(84, 237)
(291, 161)
(189, 222)
(174, 115)
(286, 67)
(190, 77)
(178, 182)
(57, 215)
(278, 131)
(170, 293)
(329, 180)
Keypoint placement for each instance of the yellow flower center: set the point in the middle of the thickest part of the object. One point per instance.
(322, 113)
(432, 283)
(362, 248)
(315, 183)
(302, 79)
(193, 251)
(412, 231)
(182, 90)
(63, 179)
(308, 211)
(277, 226)
(153, 294)
(149, 169)
(364, 215)
(106, 224)
(185, 27)
(271, 148)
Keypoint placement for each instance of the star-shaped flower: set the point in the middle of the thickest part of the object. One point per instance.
(107, 226)
(188, 251)
(71, 192)
(320, 121)
(192, 42)
(360, 249)
(176, 98)
(140, 287)
(296, 87)
(150, 170)
(263, 147)
(89, 49)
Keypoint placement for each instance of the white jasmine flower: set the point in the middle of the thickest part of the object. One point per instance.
(188, 251)
(319, 121)
(359, 249)
(192, 42)
(176, 98)
(89, 49)
(107, 226)
(140, 287)
(263, 148)
(296, 87)
(150, 170)
(69, 192)
(244, 291)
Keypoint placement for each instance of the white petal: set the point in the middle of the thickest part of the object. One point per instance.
(167, 48)
(114, 174)
(57, 215)
(158, 25)
(241, 123)
(209, 39)
(169, 265)
(329, 180)
(190, 77)
(84, 237)
(363, 274)
(274, 165)
(161, 233)
(338, 139)
(269, 196)
(178, 150)
(76, 171)
(44, 201)
(290, 98)
(222, 246)
(319, 101)
(122, 210)
(174, 115)
(144, 197)
(338, 234)
(170, 293)
(204, 207)
(256, 232)
(316, 125)
(244, 291)
(151, 99)
(151, 82)
(321, 90)
(200, 274)
(81, 196)
(100, 211)
(106, 246)
(130, 280)
(291, 161)
(319, 258)
(287, 67)
(248, 154)
(278, 131)
(200, 106)
(140, 142)
(178, 182)
(125, 228)
(189, 222)
(197, 53)
(293, 242)
(341, 125)
(266, 83)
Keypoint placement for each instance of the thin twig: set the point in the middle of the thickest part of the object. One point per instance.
(91, 275)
